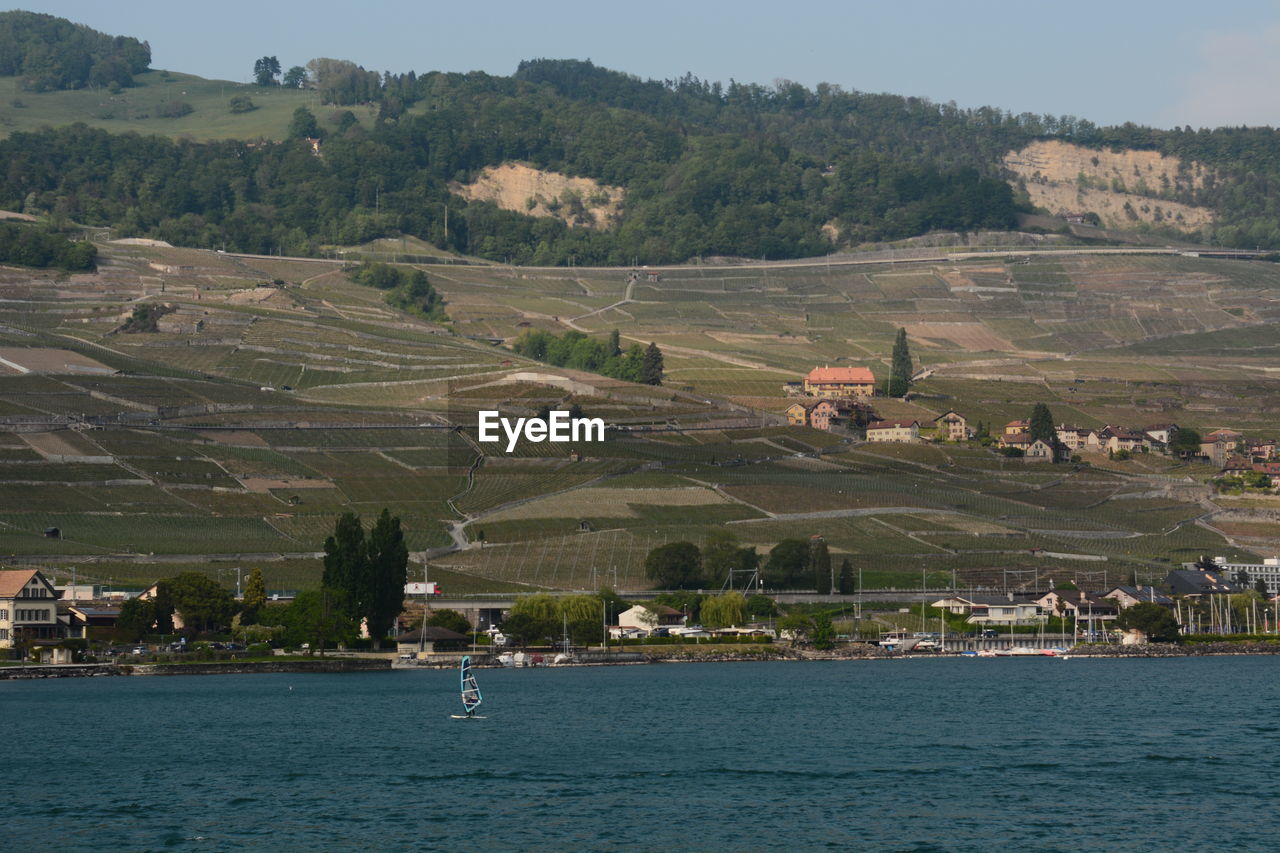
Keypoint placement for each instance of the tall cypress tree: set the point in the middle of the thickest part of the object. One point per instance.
(820, 565)
(255, 595)
(900, 367)
(651, 369)
(387, 570)
(345, 560)
(846, 577)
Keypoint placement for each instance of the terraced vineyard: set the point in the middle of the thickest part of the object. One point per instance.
(261, 409)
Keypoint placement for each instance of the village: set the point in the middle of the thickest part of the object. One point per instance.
(838, 399)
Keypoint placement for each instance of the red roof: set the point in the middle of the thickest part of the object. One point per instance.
(857, 375)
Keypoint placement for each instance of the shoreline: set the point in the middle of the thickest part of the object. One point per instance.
(346, 664)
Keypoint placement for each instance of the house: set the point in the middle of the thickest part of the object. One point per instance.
(1127, 596)
(1162, 433)
(1019, 427)
(1016, 440)
(1195, 583)
(29, 617)
(1218, 449)
(1040, 449)
(894, 431)
(1075, 439)
(1078, 604)
(840, 382)
(1116, 439)
(648, 618)
(1228, 436)
(1260, 449)
(983, 609)
(820, 415)
(430, 640)
(952, 426)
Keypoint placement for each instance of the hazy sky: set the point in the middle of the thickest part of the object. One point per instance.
(1159, 63)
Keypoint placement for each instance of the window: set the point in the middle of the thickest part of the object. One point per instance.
(4, 633)
(4, 614)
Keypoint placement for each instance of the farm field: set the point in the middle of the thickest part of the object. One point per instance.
(259, 411)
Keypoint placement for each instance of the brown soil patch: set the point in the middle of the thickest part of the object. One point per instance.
(1118, 186)
(240, 438)
(576, 201)
(47, 360)
(61, 444)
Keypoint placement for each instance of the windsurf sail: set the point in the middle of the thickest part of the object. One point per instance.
(470, 690)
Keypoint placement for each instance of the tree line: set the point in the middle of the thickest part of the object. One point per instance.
(407, 289)
(791, 564)
(582, 352)
(30, 246)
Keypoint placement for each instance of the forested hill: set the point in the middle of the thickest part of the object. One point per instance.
(52, 53)
(739, 170)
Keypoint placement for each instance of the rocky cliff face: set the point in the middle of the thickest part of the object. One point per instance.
(576, 201)
(1123, 188)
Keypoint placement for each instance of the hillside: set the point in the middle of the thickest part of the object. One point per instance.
(195, 454)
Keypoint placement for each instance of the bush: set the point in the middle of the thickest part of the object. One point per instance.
(174, 109)
(242, 104)
(260, 650)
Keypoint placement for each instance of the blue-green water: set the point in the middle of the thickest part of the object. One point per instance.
(956, 755)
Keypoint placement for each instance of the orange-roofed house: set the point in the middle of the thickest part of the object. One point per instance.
(840, 382)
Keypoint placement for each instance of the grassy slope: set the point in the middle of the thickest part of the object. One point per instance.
(211, 117)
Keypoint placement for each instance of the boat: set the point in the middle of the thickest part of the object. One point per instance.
(471, 698)
(898, 641)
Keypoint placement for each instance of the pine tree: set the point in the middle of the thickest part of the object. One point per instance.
(651, 370)
(615, 343)
(900, 367)
(846, 577)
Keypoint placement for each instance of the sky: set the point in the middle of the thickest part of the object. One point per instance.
(1168, 63)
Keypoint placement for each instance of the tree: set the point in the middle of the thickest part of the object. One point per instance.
(295, 78)
(823, 635)
(676, 565)
(615, 343)
(202, 604)
(846, 578)
(651, 369)
(449, 619)
(266, 70)
(345, 559)
(798, 625)
(720, 554)
(1185, 442)
(899, 367)
(242, 104)
(320, 617)
(380, 596)
(1042, 427)
(137, 615)
(163, 607)
(786, 564)
(724, 611)
(303, 125)
(255, 595)
(761, 607)
(1154, 620)
(820, 565)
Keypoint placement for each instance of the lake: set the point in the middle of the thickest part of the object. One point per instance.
(918, 755)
